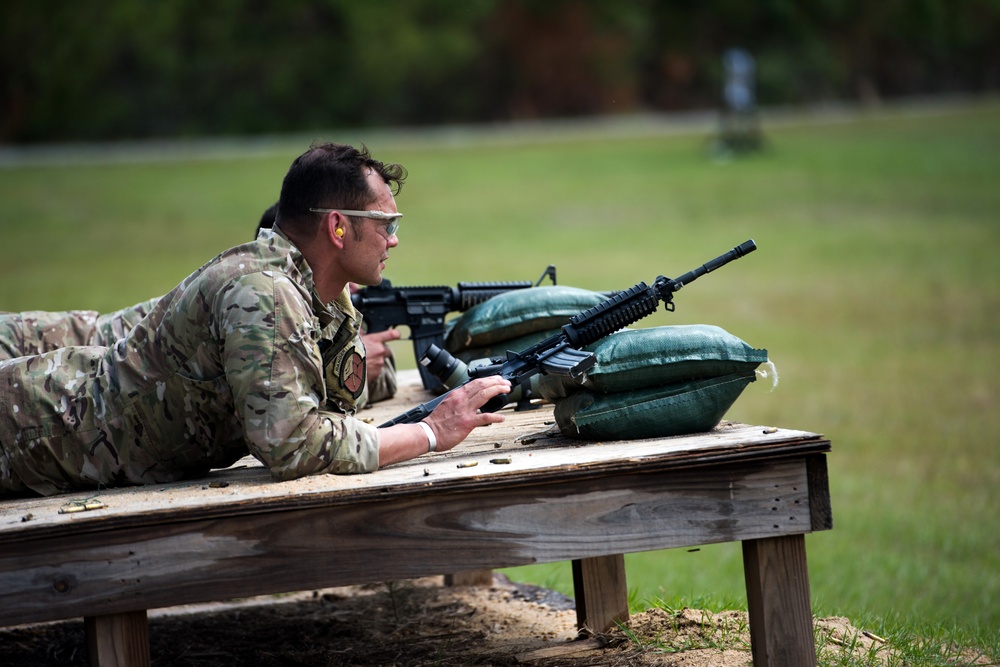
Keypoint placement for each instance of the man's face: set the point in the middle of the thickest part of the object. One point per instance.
(369, 241)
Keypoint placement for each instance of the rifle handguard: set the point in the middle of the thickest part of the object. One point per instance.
(619, 311)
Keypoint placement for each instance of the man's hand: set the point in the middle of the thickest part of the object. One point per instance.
(376, 351)
(451, 421)
(458, 413)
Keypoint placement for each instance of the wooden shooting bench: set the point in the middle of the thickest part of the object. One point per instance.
(513, 494)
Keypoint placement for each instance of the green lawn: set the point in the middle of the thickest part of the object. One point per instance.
(875, 289)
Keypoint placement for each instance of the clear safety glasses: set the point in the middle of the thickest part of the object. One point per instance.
(391, 220)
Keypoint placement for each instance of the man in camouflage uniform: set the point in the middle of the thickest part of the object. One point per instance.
(257, 351)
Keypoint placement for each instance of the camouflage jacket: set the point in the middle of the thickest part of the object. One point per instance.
(240, 357)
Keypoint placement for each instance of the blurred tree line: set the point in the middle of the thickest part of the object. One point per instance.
(107, 69)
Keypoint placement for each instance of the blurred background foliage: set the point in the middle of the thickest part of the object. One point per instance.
(107, 69)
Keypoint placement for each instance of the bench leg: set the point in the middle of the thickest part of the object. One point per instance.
(781, 628)
(118, 640)
(601, 593)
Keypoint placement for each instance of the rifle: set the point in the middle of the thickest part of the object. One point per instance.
(561, 353)
(423, 309)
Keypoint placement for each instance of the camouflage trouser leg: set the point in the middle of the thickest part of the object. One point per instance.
(37, 331)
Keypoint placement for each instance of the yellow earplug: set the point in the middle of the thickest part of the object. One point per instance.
(339, 231)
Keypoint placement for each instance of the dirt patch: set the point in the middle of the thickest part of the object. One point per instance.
(422, 622)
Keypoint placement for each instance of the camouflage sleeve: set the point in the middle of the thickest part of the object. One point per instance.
(39, 331)
(111, 327)
(273, 364)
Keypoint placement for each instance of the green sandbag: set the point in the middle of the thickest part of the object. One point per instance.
(518, 313)
(678, 409)
(658, 356)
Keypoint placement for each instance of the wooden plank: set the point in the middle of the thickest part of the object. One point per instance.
(118, 640)
(399, 537)
(601, 593)
(777, 579)
(573, 648)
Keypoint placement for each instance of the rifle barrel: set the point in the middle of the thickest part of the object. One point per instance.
(742, 249)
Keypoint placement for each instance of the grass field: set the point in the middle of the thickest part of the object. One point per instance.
(875, 289)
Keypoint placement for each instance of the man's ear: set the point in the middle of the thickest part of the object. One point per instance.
(335, 228)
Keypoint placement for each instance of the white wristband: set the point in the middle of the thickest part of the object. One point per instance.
(432, 442)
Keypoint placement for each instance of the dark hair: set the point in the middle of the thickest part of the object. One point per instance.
(331, 175)
(267, 218)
